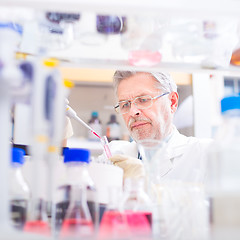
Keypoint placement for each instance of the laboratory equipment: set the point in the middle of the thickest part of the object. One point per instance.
(223, 166)
(96, 124)
(42, 90)
(110, 24)
(138, 208)
(82, 205)
(72, 114)
(19, 192)
(113, 129)
(114, 223)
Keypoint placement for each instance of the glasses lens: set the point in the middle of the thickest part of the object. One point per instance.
(124, 106)
(143, 102)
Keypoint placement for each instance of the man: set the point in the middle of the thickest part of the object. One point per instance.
(147, 102)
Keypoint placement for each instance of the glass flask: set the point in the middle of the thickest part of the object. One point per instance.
(137, 207)
(37, 219)
(77, 212)
(114, 223)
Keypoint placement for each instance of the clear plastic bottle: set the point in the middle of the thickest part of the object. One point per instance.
(96, 125)
(223, 167)
(19, 191)
(79, 209)
(113, 129)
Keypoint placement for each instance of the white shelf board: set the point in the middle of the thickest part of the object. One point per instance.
(163, 66)
(191, 8)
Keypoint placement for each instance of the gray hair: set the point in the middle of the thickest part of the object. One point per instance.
(164, 80)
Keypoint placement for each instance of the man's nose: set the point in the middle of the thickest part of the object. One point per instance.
(134, 110)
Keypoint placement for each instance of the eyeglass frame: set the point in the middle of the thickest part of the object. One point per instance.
(133, 101)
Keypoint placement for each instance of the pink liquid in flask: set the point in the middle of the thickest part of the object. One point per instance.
(76, 227)
(144, 58)
(114, 225)
(139, 222)
(38, 227)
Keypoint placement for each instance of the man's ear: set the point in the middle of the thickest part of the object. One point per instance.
(174, 101)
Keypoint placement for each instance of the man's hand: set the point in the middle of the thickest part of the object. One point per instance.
(132, 167)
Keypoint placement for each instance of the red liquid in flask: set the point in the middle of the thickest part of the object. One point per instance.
(144, 58)
(37, 226)
(140, 222)
(76, 227)
(114, 225)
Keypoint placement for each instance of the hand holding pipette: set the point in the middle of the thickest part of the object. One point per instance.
(72, 114)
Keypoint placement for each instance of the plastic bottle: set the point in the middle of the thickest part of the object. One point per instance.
(113, 129)
(80, 206)
(96, 125)
(19, 190)
(223, 167)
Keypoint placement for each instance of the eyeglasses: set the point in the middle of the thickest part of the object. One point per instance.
(141, 102)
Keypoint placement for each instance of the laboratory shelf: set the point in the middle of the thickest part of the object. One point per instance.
(164, 66)
(194, 8)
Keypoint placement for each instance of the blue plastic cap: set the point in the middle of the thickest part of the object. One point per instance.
(13, 26)
(77, 155)
(230, 103)
(18, 155)
(94, 114)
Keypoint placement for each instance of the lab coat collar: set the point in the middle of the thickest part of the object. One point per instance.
(174, 148)
(176, 144)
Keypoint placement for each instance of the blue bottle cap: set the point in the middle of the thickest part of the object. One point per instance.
(230, 103)
(94, 114)
(18, 155)
(77, 155)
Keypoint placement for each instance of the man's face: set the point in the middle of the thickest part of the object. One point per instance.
(151, 123)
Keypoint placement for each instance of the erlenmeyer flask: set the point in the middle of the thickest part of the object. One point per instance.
(37, 219)
(137, 207)
(78, 222)
(114, 225)
(152, 151)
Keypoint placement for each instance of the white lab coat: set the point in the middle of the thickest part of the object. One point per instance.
(184, 158)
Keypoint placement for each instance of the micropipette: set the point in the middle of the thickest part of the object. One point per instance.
(72, 114)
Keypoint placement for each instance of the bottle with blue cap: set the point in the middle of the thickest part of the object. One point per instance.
(19, 192)
(223, 169)
(78, 209)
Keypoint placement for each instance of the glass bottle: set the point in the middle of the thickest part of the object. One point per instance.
(19, 191)
(79, 209)
(223, 167)
(113, 129)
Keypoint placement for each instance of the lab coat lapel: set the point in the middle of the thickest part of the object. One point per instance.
(176, 145)
(174, 148)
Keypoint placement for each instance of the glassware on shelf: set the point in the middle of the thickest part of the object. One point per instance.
(111, 24)
(235, 59)
(143, 41)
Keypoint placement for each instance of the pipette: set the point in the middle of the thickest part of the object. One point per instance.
(72, 114)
